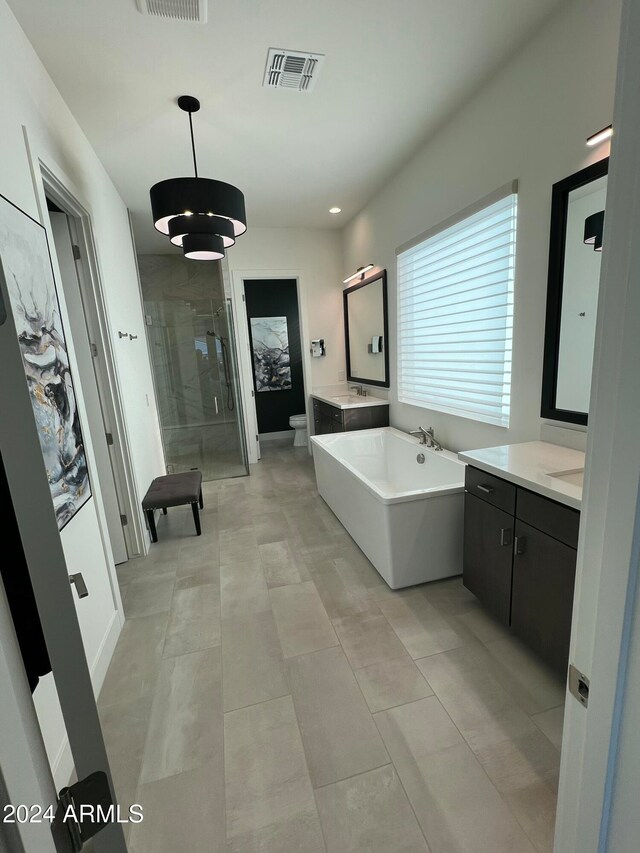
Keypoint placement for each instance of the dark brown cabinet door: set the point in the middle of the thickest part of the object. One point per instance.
(544, 572)
(488, 555)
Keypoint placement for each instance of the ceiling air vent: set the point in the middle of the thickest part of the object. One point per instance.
(175, 10)
(292, 69)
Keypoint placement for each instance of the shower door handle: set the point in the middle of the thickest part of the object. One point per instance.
(215, 400)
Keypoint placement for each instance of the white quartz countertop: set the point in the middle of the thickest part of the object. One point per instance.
(548, 469)
(347, 400)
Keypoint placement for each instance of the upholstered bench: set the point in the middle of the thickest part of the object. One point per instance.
(173, 490)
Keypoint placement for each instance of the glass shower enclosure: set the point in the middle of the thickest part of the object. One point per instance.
(191, 339)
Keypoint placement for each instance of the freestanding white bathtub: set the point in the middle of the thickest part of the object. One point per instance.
(405, 515)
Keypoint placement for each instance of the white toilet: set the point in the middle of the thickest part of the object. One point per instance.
(299, 424)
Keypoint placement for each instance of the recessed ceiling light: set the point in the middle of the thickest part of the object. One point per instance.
(600, 136)
(335, 210)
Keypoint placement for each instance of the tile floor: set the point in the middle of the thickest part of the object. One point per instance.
(270, 693)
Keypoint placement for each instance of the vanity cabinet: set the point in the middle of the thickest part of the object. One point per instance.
(520, 561)
(327, 418)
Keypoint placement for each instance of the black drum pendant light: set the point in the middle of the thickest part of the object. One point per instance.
(593, 230)
(202, 215)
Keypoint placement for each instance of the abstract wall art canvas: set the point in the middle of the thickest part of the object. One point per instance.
(271, 361)
(26, 265)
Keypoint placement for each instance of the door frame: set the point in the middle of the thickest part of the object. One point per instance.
(609, 544)
(238, 278)
(31, 497)
(49, 180)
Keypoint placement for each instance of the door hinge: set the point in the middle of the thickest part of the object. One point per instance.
(579, 685)
(76, 253)
(84, 809)
(253, 393)
(94, 350)
(257, 437)
(243, 299)
(109, 437)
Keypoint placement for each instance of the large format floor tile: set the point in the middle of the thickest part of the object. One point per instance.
(280, 566)
(422, 629)
(182, 812)
(136, 660)
(459, 809)
(392, 682)
(185, 727)
(149, 595)
(303, 624)
(252, 665)
(367, 638)
(194, 619)
(269, 693)
(479, 706)
(270, 805)
(371, 813)
(338, 733)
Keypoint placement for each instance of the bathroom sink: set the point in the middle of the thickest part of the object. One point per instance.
(348, 399)
(574, 477)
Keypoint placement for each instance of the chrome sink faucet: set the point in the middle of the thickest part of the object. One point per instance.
(360, 391)
(427, 437)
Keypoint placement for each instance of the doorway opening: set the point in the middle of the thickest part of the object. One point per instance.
(273, 326)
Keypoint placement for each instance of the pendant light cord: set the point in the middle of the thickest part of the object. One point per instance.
(193, 145)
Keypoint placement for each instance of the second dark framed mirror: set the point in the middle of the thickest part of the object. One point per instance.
(366, 326)
(576, 239)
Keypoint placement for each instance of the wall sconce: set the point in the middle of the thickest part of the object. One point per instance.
(359, 273)
(593, 230)
(600, 136)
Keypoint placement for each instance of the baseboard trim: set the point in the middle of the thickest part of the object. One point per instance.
(273, 436)
(63, 766)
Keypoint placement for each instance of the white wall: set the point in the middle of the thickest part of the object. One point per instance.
(316, 255)
(530, 122)
(29, 98)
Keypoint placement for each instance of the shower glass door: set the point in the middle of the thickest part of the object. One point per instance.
(190, 329)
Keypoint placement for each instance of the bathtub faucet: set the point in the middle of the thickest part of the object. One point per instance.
(427, 437)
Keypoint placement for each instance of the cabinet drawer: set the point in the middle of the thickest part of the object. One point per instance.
(554, 519)
(336, 414)
(492, 489)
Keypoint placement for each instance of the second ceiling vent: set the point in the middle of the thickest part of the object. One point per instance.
(292, 69)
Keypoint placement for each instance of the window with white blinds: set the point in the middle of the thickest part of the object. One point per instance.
(455, 316)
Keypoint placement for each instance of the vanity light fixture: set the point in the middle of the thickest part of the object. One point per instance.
(211, 212)
(600, 136)
(335, 210)
(593, 230)
(359, 273)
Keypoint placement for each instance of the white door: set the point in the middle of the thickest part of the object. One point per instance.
(598, 795)
(24, 769)
(98, 428)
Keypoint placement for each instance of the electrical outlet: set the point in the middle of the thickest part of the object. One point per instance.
(341, 376)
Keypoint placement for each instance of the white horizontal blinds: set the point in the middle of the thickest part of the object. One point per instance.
(455, 316)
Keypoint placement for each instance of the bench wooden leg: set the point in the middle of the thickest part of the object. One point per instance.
(152, 524)
(196, 517)
(200, 501)
(164, 510)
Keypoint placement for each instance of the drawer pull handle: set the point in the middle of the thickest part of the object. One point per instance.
(488, 490)
(505, 536)
(519, 544)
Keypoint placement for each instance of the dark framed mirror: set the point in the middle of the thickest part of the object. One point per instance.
(366, 326)
(575, 246)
